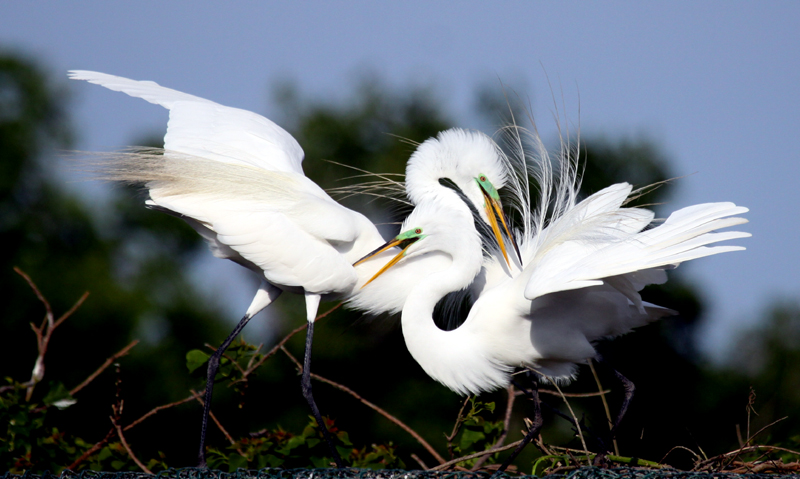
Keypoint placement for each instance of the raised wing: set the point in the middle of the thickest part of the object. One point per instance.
(608, 244)
(202, 128)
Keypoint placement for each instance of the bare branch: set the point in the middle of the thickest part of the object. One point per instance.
(216, 421)
(605, 404)
(572, 413)
(707, 462)
(370, 405)
(568, 395)
(108, 362)
(72, 310)
(283, 341)
(161, 408)
(456, 427)
(93, 449)
(506, 422)
(419, 461)
(444, 466)
(128, 448)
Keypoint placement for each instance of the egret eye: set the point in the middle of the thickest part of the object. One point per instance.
(483, 178)
(418, 231)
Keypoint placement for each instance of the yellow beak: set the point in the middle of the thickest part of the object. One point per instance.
(494, 210)
(381, 249)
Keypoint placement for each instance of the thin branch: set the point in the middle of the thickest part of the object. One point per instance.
(772, 465)
(743, 450)
(93, 449)
(108, 362)
(605, 405)
(419, 461)
(71, 310)
(568, 395)
(696, 455)
(444, 466)
(161, 408)
(127, 447)
(539, 442)
(506, 424)
(757, 433)
(580, 433)
(283, 341)
(111, 432)
(216, 421)
(456, 427)
(370, 405)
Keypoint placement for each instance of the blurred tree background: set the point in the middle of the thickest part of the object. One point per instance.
(134, 262)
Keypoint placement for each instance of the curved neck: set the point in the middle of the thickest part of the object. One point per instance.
(450, 357)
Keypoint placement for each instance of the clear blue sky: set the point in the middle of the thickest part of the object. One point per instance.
(717, 84)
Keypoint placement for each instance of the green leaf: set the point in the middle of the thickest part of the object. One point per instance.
(344, 451)
(236, 461)
(470, 437)
(320, 462)
(294, 443)
(195, 358)
(58, 396)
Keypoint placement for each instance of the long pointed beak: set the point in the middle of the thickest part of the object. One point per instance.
(494, 210)
(389, 244)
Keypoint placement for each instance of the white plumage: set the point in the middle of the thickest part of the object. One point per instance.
(237, 179)
(583, 270)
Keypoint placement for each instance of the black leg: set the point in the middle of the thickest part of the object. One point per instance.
(532, 432)
(213, 366)
(627, 384)
(629, 389)
(305, 384)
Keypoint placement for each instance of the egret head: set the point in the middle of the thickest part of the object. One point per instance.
(434, 228)
(466, 166)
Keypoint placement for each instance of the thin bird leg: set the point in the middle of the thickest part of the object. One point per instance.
(312, 302)
(213, 366)
(629, 389)
(536, 426)
(549, 407)
(627, 384)
(265, 295)
(593, 435)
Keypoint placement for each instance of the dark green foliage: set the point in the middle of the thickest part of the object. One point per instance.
(476, 431)
(279, 448)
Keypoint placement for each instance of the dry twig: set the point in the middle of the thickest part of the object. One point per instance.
(370, 405)
(572, 413)
(43, 332)
(506, 422)
(563, 394)
(161, 408)
(128, 448)
(708, 463)
(93, 449)
(419, 461)
(447, 464)
(605, 404)
(456, 427)
(108, 362)
(252, 367)
(216, 421)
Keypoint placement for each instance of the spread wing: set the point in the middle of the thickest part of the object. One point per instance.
(599, 239)
(204, 129)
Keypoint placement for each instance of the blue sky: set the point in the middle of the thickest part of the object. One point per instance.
(716, 84)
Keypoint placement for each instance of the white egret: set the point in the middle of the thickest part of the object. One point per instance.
(237, 179)
(583, 270)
